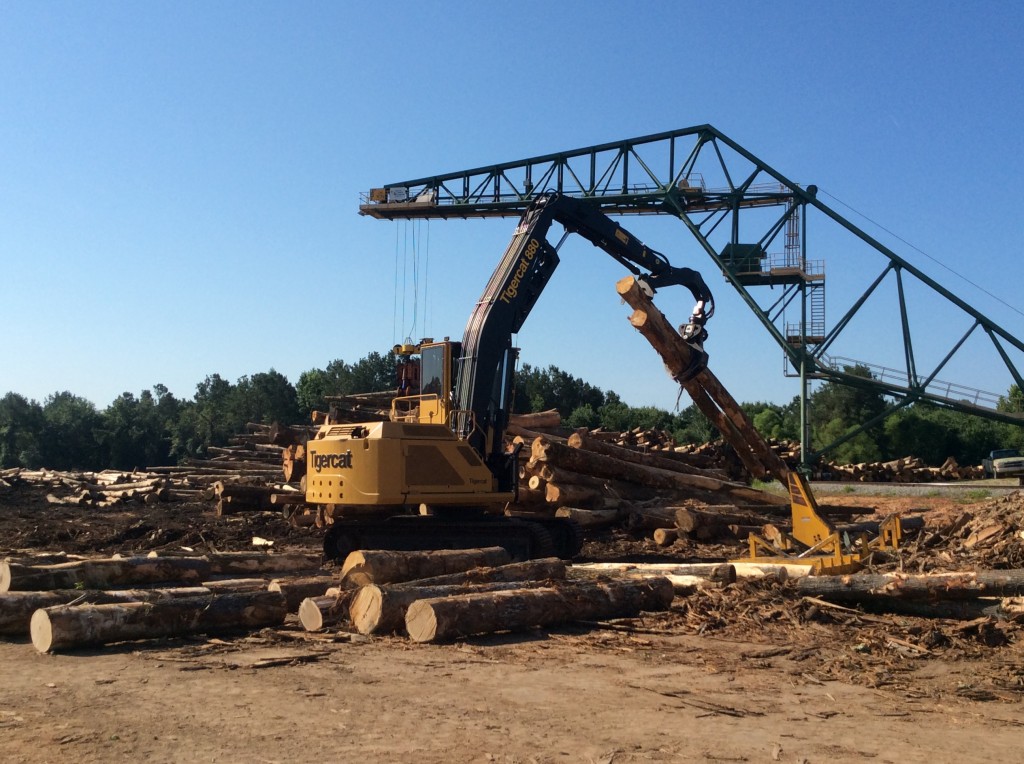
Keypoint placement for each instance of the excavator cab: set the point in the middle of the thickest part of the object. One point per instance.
(429, 370)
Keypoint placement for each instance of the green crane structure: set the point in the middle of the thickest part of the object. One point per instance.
(737, 207)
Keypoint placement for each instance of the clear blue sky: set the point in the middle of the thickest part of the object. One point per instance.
(179, 182)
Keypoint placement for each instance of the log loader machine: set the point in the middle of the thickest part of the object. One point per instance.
(439, 469)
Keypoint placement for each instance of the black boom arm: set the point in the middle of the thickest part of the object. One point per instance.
(484, 385)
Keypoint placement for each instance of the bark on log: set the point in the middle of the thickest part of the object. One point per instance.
(690, 519)
(650, 459)
(550, 418)
(381, 609)
(236, 563)
(448, 618)
(104, 573)
(295, 590)
(665, 536)
(72, 626)
(545, 449)
(16, 608)
(590, 518)
(370, 566)
(928, 586)
(571, 495)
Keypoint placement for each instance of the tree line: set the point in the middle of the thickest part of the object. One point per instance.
(155, 428)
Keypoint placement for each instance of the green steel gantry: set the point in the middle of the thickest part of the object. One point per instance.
(737, 207)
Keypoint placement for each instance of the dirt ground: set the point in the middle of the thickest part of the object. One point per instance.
(749, 673)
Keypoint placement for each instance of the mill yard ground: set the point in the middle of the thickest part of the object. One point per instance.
(748, 673)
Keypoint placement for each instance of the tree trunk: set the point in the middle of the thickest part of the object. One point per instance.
(571, 495)
(385, 566)
(295, 590)
(440, 619)
(864, 587)
(72, 626)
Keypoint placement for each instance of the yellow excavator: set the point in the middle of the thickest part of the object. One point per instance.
(439, 468)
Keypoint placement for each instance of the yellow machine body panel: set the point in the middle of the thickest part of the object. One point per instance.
(393, 464)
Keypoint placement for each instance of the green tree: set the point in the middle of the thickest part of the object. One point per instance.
(265, 397)
(22, 428)
(838, 409)
(71, 433)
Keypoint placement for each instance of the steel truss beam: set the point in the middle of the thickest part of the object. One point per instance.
(668, 173)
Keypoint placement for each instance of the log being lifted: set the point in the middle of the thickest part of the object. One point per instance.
(381, 566)
(447, 618)
(708, 394)
(934, 586)
(72, 626)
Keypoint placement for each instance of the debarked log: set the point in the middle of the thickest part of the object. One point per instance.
(72, 626)
(448, 618)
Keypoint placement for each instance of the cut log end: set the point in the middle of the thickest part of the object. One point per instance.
(310, 616)
(41, 631)
(421, 622)
(366, 608)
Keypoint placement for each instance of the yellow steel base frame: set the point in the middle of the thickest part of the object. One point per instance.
(815, 542)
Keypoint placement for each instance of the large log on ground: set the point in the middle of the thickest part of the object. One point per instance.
(590, 518)
(72, 626)
(104, 573)
(295, 590)
(865, 587)
(446, 618)
(236, 563)
(530, 570)
(381, 609)
(719, 572)
(380, 566)
(570, 495)
(713, 519)
(16, 608)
